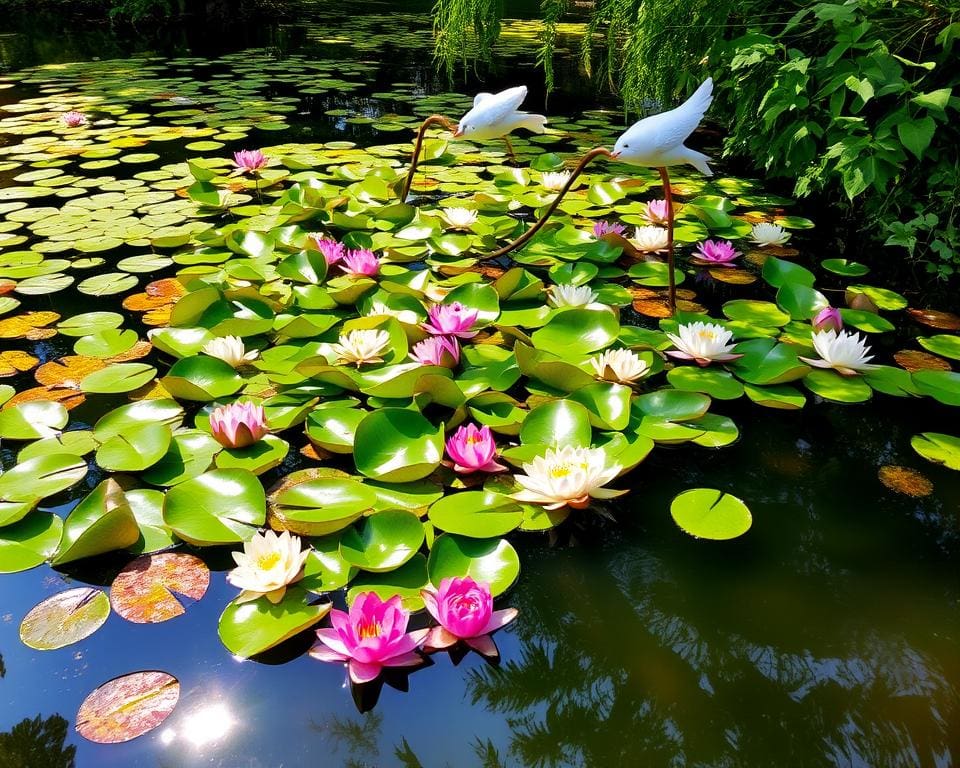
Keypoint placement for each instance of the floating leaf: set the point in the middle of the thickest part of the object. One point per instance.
(477, 514)
(65, 618)
(904, 480)
(711, 514)
(101, 522)
(385, 541)
(30, 542)
(491, 560)
(127, 707)
(249, 628)
(396, 445)
(149, 590)
(938, 448)
(223, 506)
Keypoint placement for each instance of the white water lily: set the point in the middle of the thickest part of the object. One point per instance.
(703, 342)
(267, 565)
(460, 218)
(620, 365)
(567, 476)
(571, 296)
(362, 346)
(845, 352)
(407, 316)
(768, 234)
(650, 239)
(554, 181)
(230, 349)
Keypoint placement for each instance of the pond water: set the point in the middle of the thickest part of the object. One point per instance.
(827, 635)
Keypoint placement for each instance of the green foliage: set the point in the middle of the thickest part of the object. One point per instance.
(854, 98)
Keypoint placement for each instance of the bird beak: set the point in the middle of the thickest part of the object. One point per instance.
(457, 133)
(614, 155)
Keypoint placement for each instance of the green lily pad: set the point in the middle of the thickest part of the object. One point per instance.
(141, 412)
(385, 541)
(938, 448)
(222, 506)
(202, 379)
(147, 507)
(65, 618)
(32, 420)
(711, 514)
(477, 514)
(101, 522)
(561, 422)
(845, 267)
(943, 344)
(577, 332)
(325, 569)
(717, 383)
(118, 377)
(30, 542)
(135, 449)
(830, 385)
(396, 445)
(267, 453)
(247, 629)
(406, 581)
(943, 386)
(321, 506)
(493, 561)
(41, 476)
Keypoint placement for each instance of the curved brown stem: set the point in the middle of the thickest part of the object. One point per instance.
(432, 120)
(668, 196)
(585, 160)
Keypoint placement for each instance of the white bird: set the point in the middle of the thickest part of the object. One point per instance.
(494, 115)
(657, 141)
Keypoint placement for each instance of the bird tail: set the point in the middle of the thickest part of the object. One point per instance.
(698, 160)
(534, 123)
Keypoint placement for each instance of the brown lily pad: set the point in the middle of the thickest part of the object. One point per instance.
(944, 321)
(68, 398)
(915, 360)
(65, 618)
(146, 591)
(14, 361)
(905, 480)
(733, 276)
(21, 326)
(127, 707)
(67, 372)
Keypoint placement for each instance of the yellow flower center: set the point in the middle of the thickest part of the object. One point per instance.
(368, 629)
(559, 470)
(266, 562)
(707, 335)
(473, 439)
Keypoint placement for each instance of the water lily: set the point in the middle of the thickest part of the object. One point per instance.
(464, 610)
(655, 212)
(437, 350)
(473, 450)
(651, 239)
(554, 181)
(765, 233)
(571, 295)
(267, 565)
(360, 263)
(230, 349)
(846, 353)
(73, 119)
(716, 253)
(373, 635)
(361, 346)
(452, 319)
(238, 425)
(249, 160)
(828, 319)
(703, 342)
(601, 228)
(620, 365)
(407, 316)
(332, 250)
(460, 218)
(567, 476)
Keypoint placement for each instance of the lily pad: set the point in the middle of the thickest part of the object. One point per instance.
(938, 448)
(384, 542)
(253, 627)
(127, 707)
(493, 561)
(149, 590)
(711, 514)
(65, 618)
(101, 522)
(477, 514)
(396, 445)
(223, 506)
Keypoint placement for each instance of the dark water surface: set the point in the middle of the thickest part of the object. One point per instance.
(829, 635)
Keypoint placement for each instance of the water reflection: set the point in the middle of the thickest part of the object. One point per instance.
(37, 743)
(203, 725)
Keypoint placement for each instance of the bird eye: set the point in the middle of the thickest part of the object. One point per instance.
(626, 146)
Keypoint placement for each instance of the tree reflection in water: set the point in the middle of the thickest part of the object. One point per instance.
(37, 743)
(642, 669)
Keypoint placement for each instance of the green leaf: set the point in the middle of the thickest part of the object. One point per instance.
(30, 542)
(577, 332)
(41, 476)
(117, 378)
(322, 506)
(247, 629)
(560, 422)
(325, 569)
(396, 445)
(223, 506)
(385, 541)
(492, 561)
(916, 135)
(938, 448)
(942, 344)
(830, 385)
(135, 449)
(477, 514)
(101, 522)
(406, 581)
(30, 420)
(711, 514)
(202, 379)
(65, 618)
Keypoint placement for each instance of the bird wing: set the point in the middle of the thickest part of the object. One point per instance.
(496, 108)
(670, 129)
(481, 97)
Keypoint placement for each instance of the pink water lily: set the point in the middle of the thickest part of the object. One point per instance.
(73, 119)
(360, 263)
(451, 320)
(716, 253)
(373, 635)
(602, 228)
(473, 450)
(249, 160)
(437, 350)
(828, 319)
(332, 250)
(464, 610)
(238, 425)
(655, 212)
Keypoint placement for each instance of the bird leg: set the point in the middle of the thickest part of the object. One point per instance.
(584, 161)
(432, 120)
(668, 196)
(513, 155)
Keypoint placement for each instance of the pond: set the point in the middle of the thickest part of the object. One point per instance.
(814, 622)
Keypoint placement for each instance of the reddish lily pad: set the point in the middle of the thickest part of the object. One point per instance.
(127, 706)
(146, 591)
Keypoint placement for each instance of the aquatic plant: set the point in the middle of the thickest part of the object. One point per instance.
(238, 424)
(567, 476)
(473, 450)
(268, 564)
(463, 610)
